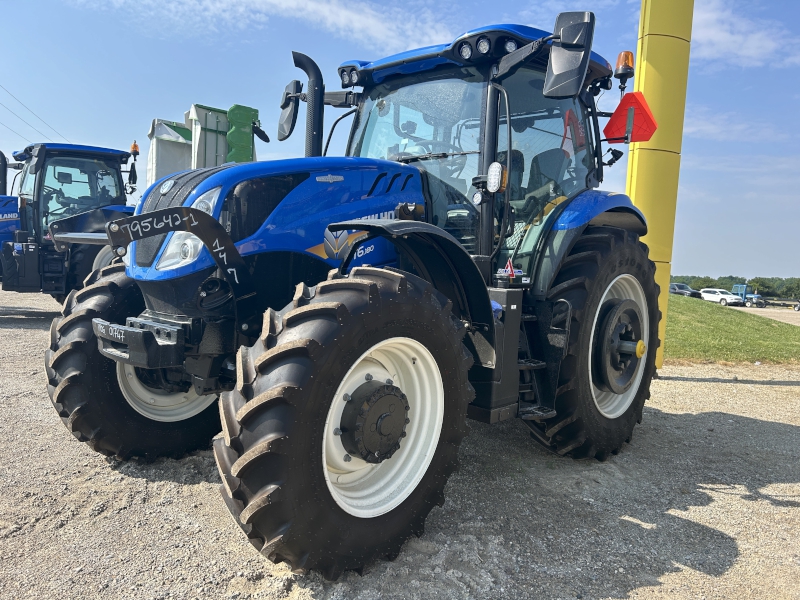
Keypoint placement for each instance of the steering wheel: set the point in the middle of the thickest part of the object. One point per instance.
(535, 203)
(453, 165)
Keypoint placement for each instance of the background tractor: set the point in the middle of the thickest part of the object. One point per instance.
(58, 180)
(750, 297)
(351, 312)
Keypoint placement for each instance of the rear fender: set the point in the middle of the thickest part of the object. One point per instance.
(437, 257)
(591, 208)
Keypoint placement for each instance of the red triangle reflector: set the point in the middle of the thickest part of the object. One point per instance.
(644, 123)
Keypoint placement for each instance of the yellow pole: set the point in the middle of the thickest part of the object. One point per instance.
(662, 70)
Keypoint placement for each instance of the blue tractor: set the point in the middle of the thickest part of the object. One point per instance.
(340, 318)
(58, 180)
(749, 296)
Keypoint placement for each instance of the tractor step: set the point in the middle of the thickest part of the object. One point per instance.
(530, 364)
(536, 413)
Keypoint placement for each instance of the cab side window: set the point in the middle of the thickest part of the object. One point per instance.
(551, 146)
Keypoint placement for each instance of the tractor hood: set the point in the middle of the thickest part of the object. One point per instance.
(283, 205)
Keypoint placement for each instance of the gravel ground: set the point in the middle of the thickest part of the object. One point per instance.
(784, 315)
(704, 503)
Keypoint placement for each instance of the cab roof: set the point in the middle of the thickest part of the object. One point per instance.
(430, 57)
(22, 155)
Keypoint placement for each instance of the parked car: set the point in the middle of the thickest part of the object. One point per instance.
(683, 290)
(723, 297)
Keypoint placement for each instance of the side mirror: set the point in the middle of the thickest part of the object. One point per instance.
(64, 178)
(290, 101)
(569, 55)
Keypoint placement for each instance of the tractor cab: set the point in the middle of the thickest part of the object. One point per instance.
(57, 181)
(501, 124)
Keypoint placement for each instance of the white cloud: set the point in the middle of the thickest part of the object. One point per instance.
(543, 14)
(723, 35)
(380, 26)
(706, 123)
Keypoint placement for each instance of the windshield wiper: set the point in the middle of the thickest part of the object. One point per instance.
(430, 155)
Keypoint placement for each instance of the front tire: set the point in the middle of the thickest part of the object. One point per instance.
(609, 281)
(84, 385)
(723, 302)
(309, 473)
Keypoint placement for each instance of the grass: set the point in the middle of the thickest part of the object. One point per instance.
(705, 331)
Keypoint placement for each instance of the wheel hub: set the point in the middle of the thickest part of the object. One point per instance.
(619, 346)
(374, 421)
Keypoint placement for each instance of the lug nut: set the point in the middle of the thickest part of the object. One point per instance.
(347, 458)
(346, 398)
(389, 382)
(368, 377)
(337, 431)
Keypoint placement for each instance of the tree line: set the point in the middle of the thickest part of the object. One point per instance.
(770, 287)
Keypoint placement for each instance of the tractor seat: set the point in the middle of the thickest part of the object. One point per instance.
(546, 168)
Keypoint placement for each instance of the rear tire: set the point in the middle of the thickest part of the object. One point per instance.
(606, 265)
(289, 478)
(83, 384)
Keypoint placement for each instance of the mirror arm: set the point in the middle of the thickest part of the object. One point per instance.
(510, 62)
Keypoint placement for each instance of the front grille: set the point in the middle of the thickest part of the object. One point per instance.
(147, 248)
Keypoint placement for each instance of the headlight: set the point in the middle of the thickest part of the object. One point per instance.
(484, 45)
(207, 201)
(510, 46)
(465, 50)
(345, 78)
(353, 77)
(184, 247)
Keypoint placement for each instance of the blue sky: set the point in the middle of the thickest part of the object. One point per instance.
(100, 71)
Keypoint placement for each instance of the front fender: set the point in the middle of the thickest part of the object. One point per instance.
(441, 260)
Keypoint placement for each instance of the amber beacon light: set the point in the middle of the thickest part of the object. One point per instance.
(624, 70)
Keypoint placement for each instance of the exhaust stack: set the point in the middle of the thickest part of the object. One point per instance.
(3, 175)
(315, 98)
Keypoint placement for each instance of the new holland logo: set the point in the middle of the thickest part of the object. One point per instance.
(336, 243)
(329, 178)
(166, 186)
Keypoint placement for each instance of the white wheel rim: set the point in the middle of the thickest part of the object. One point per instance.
(611, 405)
(368, 490)
(103, 258)
(156, 404)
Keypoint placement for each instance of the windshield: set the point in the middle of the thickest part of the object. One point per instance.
(434, 124)
(73, 185)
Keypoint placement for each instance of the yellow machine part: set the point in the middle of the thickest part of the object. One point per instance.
(662, 71)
